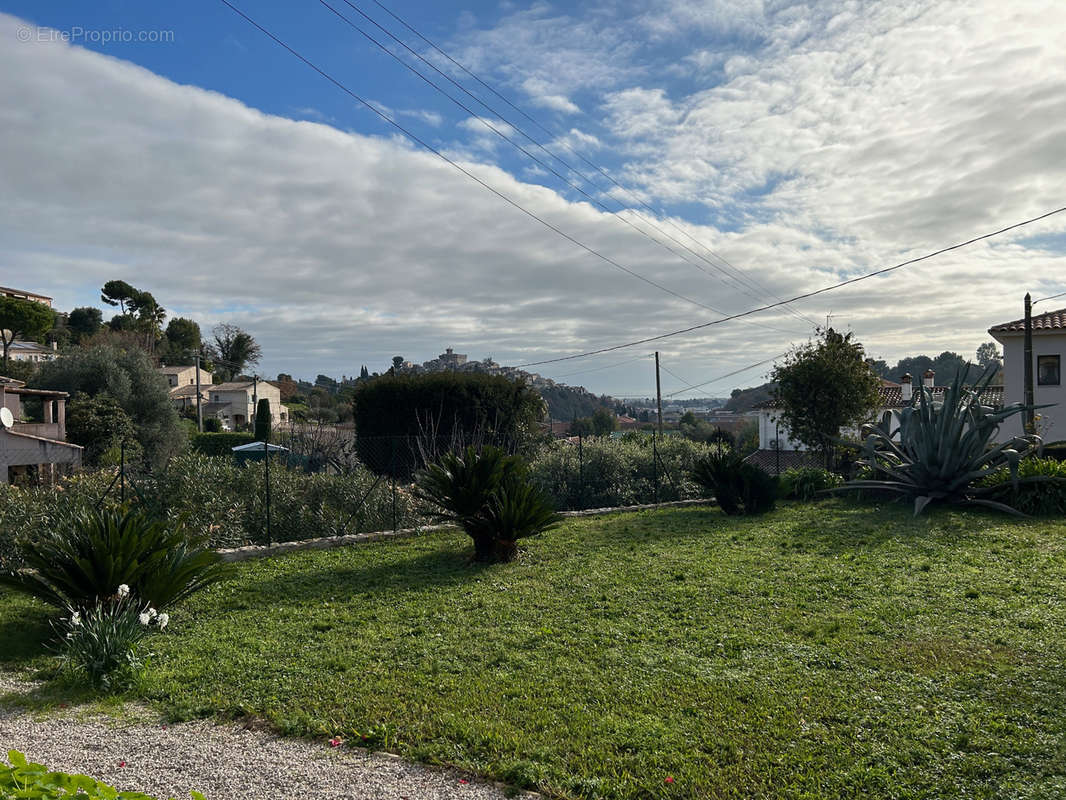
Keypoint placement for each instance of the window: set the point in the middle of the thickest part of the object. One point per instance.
(1048, 372)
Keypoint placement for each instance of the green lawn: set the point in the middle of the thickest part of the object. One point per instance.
(821, 651)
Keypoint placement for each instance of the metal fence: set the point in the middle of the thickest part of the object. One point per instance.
(288, 491)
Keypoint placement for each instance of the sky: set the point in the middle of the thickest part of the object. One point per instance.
(684, 161)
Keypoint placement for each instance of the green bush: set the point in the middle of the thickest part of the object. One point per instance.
(1038, 498)
(488, 495)
(220, 444)
(453, 408)
(35, 782)
(604, 473)
(101, 643)
(81, 562)
(804, 483)
(738, 487)
(212, 425)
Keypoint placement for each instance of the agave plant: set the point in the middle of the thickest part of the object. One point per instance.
(81, 562)
(943, 447)
(486, 494)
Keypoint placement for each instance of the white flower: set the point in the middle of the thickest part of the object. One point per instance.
(164, 618)
(75, 618)
(144, 618)
(152, 613)
(123, 590)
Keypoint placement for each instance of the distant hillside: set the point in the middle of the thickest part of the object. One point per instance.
(747, 399)
(571, 402)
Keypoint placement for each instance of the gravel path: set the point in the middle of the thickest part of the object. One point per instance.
(225, 762)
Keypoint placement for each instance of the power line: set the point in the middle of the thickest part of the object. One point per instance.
(738, 273)
(461, 169)
(723, 377)
(804, 296)
(1052, 297)
(514, 143)
(607, 366)
(669, 371)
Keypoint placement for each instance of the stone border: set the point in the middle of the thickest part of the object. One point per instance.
(248, 552)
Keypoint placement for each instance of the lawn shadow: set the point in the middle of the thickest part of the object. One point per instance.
(441, 567)
(23, 638)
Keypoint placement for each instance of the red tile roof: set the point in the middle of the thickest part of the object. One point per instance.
(1050, 320)
(892, 396)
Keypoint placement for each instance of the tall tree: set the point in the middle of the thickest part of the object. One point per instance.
(233, 350)
(129, 376)
(824, 386)
(988, 355)
(84, 322)
(119, 293)
(22, 319)
(183, 342)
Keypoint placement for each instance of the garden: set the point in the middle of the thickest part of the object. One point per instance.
(801, 636)
(821, 650)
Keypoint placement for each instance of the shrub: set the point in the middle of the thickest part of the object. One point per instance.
(487, 495)
(804, 483)
(1042, 498)
(212, 425)
(262, 420)
(101, 643)
(617, 472)
(739, 488)
(36, 782)
(456, 408)
(220, 444)
(82, 561)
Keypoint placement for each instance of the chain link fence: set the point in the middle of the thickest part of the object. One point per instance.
(297, 489)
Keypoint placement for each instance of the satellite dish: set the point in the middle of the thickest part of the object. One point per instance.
(6, 418)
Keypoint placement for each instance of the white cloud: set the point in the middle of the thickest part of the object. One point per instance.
(840, 144)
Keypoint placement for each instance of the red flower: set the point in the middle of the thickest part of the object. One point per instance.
(122, 763)
(669, 779)
(335, 741)
(463, 780)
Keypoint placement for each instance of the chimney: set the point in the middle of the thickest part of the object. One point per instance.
(905, 387)
(930, 378)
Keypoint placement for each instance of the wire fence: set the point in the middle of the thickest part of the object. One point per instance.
(289, 493)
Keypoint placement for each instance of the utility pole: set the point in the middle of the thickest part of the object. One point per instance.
(658, 394)
(199, 400)
(1027, 392)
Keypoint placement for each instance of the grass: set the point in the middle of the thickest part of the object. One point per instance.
(821, 651)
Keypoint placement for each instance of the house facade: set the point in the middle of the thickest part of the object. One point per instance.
(182, 383)
(35, 451)
(234, 403)
(32, 351)
(778, 451)
(22, 294)
(1049, 353)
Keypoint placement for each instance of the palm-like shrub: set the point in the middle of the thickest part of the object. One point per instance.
(738, 488)
(487, 495)
(943, 449)
(82, 561)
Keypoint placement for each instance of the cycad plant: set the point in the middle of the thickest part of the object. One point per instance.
(82, 561)
(487, 495)
(738, 487)
(943, 447)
